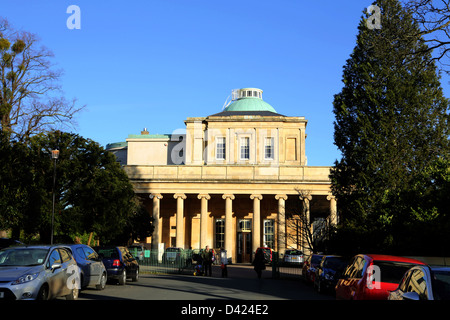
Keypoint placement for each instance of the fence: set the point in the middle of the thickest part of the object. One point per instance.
(154, 261)
(184, 262)
(282, 269)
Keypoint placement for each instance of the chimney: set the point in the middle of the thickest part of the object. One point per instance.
(144, 131)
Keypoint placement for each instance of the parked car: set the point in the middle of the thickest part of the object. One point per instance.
(92, 269)
(38, 273)
(293, 257)
(309, 267)
(120, 263)
(328, 273)
(137, 250)
(372, 277)
(7, 242)
(424, 283)
(267, 254)
(172, 255)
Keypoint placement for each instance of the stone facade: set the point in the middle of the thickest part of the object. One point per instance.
(226, 180)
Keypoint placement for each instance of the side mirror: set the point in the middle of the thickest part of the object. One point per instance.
(411, 296)
(55, 266)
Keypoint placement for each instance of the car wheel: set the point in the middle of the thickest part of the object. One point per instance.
(136, 276)
(102, 283)
(73, 295)
(43, 293)
(319, 287)
(123, 277)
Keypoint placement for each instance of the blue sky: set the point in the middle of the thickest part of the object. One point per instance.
(151, 64)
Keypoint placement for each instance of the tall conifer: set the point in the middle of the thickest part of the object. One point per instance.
(391, 124)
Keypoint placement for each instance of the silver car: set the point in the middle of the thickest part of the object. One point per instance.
(92, 270)
(38, 272)
(423, 283)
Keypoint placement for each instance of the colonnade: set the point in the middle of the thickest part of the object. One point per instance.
(230, 237)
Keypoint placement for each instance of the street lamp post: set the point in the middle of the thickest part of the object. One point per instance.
(55, 155)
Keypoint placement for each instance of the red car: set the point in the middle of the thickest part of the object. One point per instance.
(372, 276)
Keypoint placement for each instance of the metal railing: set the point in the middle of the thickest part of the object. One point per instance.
(156, 262)
(281, 269)
(162, 263)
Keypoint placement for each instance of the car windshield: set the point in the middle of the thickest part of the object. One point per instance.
(22, 257)
(335, 263)
(109, 253)
(316, 259)
(441, 285)
(294, 252)
(392, 271)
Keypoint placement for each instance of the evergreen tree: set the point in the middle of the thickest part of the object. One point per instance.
(391, 124)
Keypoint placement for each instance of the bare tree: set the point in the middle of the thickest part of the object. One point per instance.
(305, 230)
(433, 17)
(31, 98)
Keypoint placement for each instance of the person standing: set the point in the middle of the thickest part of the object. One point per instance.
(259, 263)
(207, 256)
(224, 262)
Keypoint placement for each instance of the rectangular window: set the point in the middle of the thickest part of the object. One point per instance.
(268, 148)
(244, 225)
(220, 148)
(245, 148)
(220, 233)
(269, 233)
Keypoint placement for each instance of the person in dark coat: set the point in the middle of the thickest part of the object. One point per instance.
(207, 256)
(259, 263)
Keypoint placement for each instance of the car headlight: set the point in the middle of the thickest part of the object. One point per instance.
(26, 278)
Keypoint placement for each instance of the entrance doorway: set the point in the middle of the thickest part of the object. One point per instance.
(244, 241)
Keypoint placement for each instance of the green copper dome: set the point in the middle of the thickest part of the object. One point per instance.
(249, 99)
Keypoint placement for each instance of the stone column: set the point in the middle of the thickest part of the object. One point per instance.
(256, 232)
(229, 235)
(156, 236)
(306, 211)
(333, 210)
(281, 232)
(180, 219)
(204, 220)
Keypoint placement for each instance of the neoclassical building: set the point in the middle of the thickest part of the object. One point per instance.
(226, 180)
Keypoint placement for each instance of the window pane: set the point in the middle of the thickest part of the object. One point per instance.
(245, 148)
(269, 233)
(268, 148)
(220, 233)
(220, 148)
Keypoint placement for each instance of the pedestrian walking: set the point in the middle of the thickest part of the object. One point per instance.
(224, 262)
(259, 263)
(207, 257)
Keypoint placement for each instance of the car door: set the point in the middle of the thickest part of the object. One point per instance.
(128, 260)
(55, 274)
(69, 270)
(348, 286)
(402, 287)
(418, 283)
(94, 264)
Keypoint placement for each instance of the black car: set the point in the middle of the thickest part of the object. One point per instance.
(7, 242)
(119, 262)
(328, 272)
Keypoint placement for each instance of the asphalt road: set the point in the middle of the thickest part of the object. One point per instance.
(241, 284)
